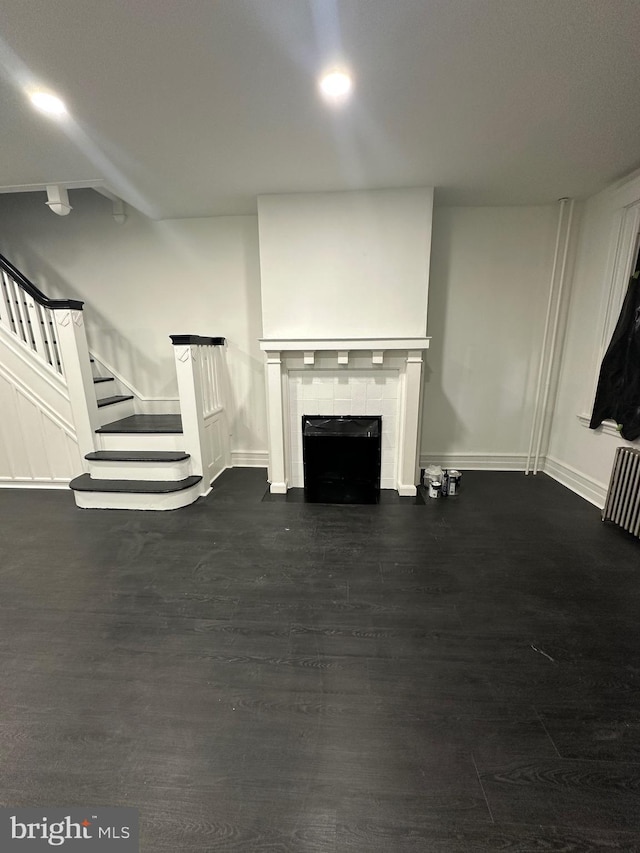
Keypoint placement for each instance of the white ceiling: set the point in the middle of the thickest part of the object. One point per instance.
(195, 107)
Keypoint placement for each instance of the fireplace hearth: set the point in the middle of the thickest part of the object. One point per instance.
(342, 457)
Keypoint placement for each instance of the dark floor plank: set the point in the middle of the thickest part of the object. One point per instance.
(582, 794)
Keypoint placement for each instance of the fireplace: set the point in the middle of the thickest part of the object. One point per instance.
(345, 377)
(342, 457)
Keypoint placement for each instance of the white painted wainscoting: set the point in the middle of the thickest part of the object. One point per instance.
(38, 444)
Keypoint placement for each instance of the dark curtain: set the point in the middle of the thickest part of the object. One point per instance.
(618, 394)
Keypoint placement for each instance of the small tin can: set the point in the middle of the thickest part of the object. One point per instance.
(445, 483)
(435, 489)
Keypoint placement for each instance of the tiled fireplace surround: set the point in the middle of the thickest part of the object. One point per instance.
(345, 377)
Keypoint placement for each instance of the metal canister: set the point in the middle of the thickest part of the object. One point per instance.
(453, 481)
(445, 483)
(435, 489)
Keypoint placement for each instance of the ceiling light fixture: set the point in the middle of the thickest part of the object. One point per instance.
(336, 85)
(49, 104)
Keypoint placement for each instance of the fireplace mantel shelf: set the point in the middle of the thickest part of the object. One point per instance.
(342, 344)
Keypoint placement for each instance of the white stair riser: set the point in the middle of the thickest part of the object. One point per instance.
(102, 470)
(115, 412)
(109, 389)
(140, 441)
(128, 500)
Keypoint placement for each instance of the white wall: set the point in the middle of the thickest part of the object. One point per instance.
(489, 286)
(145, 280)
(345, 264)
(580, 457)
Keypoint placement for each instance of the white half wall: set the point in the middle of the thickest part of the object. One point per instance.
(345, 264)
(583, 458)
(38, 444)
(145, 280)
(489, 286)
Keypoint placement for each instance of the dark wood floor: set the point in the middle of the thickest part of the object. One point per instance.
(275, 676)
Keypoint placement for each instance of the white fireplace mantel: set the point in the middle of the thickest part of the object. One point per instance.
(400, 357)
(336, 344)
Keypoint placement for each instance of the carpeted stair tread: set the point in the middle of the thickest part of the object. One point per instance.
(86, 483)
(144, 424)
(137, 456)
(117, 398)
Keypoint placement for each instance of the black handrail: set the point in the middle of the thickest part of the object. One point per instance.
(35, 292)
(198, 340)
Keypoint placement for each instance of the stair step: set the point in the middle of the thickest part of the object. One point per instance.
(97, 379)
(144, 424)
(136, 456)
(86, 483)
(117, 398)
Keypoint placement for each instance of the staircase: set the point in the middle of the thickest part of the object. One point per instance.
(139, 464)
(132, 459)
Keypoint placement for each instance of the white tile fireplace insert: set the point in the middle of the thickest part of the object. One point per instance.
(376, 376)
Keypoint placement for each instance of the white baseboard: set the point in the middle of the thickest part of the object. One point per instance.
(406, 491)
(476, 461)
(588, 488)
(250, 458)
(279, 488)
(9, 483)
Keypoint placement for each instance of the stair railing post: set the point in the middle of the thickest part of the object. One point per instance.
(189, 375)
(201, 405)
(76, 367)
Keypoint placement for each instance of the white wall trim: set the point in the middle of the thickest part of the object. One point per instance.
(609, 427)
(250, 458)
(343, 344)
(476, 461)
(69, 185)
(6, 483)
(588, 488)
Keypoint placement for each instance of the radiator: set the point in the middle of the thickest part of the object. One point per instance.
(623, 498)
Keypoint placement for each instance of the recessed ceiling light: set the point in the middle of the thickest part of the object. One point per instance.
(49, 104)
(336, 85)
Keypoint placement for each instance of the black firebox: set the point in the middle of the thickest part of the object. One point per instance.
(342, 458)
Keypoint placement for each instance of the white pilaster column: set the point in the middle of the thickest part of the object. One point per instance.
(275, 419)
(408, 436)
(74, 352)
